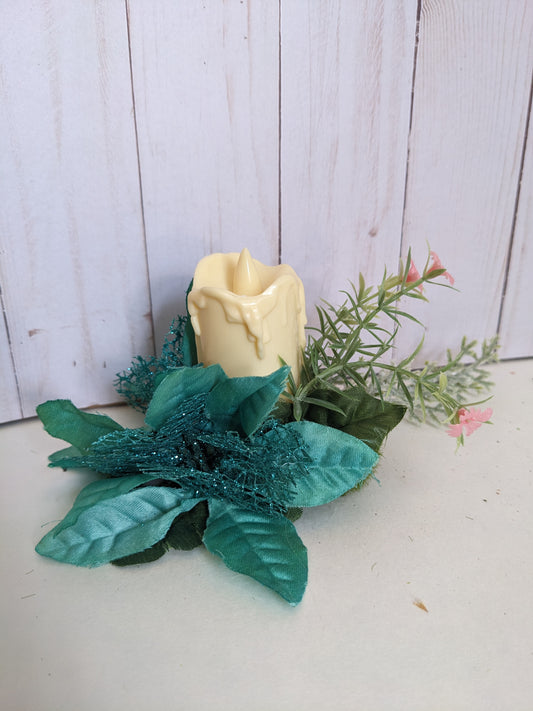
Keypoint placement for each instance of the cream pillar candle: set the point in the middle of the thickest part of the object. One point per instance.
(247, 315)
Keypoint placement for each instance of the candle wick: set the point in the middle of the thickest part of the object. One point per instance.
(246, 281)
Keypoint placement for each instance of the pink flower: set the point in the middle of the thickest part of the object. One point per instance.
(470, 420)
(455, 430)
(413, 275)
(437, 264)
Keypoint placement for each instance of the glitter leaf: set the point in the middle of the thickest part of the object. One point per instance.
(138, 383)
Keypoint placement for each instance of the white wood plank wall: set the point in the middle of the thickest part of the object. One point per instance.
(137, 137)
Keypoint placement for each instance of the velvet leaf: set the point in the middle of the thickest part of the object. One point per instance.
(180, 385)
(337, 463)
(242, 404)
(62, 419)
(116, 527)
(265, 547)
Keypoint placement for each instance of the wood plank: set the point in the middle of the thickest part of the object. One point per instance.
(9, 398)
(346, 71)
(73, 267)
(206, 88)
(516, 329)
(470, 110)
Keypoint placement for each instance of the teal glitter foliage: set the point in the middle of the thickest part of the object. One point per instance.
(138, 383)
(210, 465)
(252, 472)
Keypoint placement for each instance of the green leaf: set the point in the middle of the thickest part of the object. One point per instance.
(323, 404)
(244, 403)
(62, 419)
(64, 455)
(283, 411)
(265, 547)
(188, 528)
(185, 533)
(338, 463)
(188, 346)
(293, 514)
(116, 527)
(365, 417)
(155, 552)
(99, 491)
(179, 385)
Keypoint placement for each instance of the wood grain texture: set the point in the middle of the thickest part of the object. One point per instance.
(73, 268)
(282, 126)
(516, 328)
(10, 408)
(470, 110)
(346, 88)
(206, 86)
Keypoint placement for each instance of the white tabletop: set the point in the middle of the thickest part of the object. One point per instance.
(419, 595)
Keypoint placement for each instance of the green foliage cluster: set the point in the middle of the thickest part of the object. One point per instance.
(436, 391)
(349, 358)
(228, 477)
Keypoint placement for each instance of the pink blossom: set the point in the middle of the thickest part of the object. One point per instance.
(455, 430)
(437, 264)
(470, 420)
(413, 275)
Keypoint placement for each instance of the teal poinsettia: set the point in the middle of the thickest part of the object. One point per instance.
(211, 465)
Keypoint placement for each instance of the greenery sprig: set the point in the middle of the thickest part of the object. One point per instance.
(351, 349)
(460, 379)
